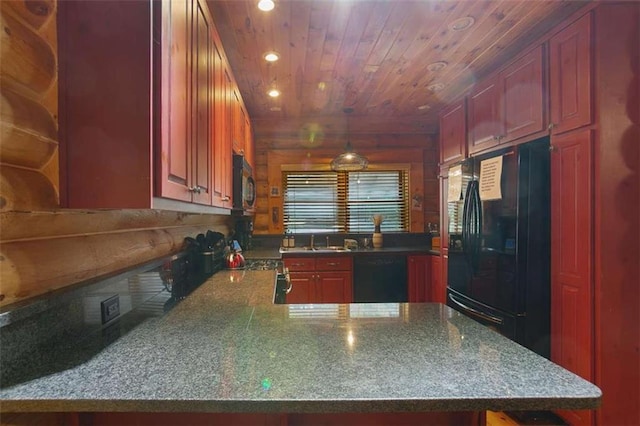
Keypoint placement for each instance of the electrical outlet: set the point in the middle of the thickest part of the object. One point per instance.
(110, 308)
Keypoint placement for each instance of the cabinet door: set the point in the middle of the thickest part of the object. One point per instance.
(302, 287)
(201, 101)
(523, 96)
(222, 157)
(485, 116)
(334, 287)
(227, 158)
(219, 124)
(238, 123)
(175, 163)
(437, 290)
(248, 142)
(418, 277)
(570, 76)
(571, 263)
(453, 132)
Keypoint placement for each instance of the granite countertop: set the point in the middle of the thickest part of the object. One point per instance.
(276, 253)
(227, 348)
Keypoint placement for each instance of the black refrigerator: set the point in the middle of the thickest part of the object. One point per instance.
(499, 249)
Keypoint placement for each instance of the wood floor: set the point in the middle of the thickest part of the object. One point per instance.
(499, 418)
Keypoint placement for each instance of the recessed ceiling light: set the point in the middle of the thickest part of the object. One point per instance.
(437, 66)
(271, 56)
(275, 109)
(274, 93)
(266, 5)
(436, 87)
(462, 23)
(424, 107)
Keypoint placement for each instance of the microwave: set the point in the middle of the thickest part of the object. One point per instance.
(244, 187)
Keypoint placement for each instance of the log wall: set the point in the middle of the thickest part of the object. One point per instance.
(42, 247)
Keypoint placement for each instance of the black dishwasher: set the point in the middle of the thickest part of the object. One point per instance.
(380, 278)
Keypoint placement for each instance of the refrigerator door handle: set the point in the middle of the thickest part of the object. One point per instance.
(478, 208)
(466, 217)
(475, 312)
(477, 212)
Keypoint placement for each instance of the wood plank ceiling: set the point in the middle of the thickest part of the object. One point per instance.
(395, 62)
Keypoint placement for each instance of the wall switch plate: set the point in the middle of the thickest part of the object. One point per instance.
(110, 308)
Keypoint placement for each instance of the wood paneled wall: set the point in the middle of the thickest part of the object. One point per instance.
(420, 151)
(42, 247)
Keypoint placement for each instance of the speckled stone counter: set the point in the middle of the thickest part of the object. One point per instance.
(226, 348)
(276, 253)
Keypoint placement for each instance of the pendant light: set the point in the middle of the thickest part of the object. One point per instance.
(349, 161)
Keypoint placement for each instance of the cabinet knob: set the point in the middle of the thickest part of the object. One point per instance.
(552, 148)
(551, 126)
(225, 199)
(196, 189)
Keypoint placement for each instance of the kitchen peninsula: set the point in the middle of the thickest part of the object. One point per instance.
(227, 349)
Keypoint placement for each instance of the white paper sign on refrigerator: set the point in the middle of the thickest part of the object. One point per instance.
(490, 176)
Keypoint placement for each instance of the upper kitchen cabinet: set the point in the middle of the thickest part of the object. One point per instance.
(222, 147)
(453, 146)
(570, 77)
(238, 124)
(145, 99)
(249, 152)
(185, 108)
(523, 91)
(485, 117)
(509, 105)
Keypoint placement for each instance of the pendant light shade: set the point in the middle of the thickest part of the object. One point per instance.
(349, 161)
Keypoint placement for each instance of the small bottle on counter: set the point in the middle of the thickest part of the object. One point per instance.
(292, 240)
(285, 241)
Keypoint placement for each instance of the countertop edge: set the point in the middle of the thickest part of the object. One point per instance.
(301, 406)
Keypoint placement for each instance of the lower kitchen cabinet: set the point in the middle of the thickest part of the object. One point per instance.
(320, 279)
(419, 278)
(438, 288)
(424, 278)
(275, 419)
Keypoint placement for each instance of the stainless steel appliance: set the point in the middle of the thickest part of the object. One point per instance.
(244, 186)
(499, 250)
(283, 284)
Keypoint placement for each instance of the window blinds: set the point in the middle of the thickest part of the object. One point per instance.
(345, 201)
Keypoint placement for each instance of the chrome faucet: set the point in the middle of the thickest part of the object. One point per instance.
(311, 243)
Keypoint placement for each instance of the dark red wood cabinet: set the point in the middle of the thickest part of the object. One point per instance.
(572, 297)
(185, 74)
(322, 279)
(453, 133)
(419, 278)
(509, 105)
(570, 77)
(424, 276)
(175, 94)
(438, 287)
(153, 133)
(523, 89)
(485, 116)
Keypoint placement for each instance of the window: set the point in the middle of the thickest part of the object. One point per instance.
(318, 201)
(456, 208)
